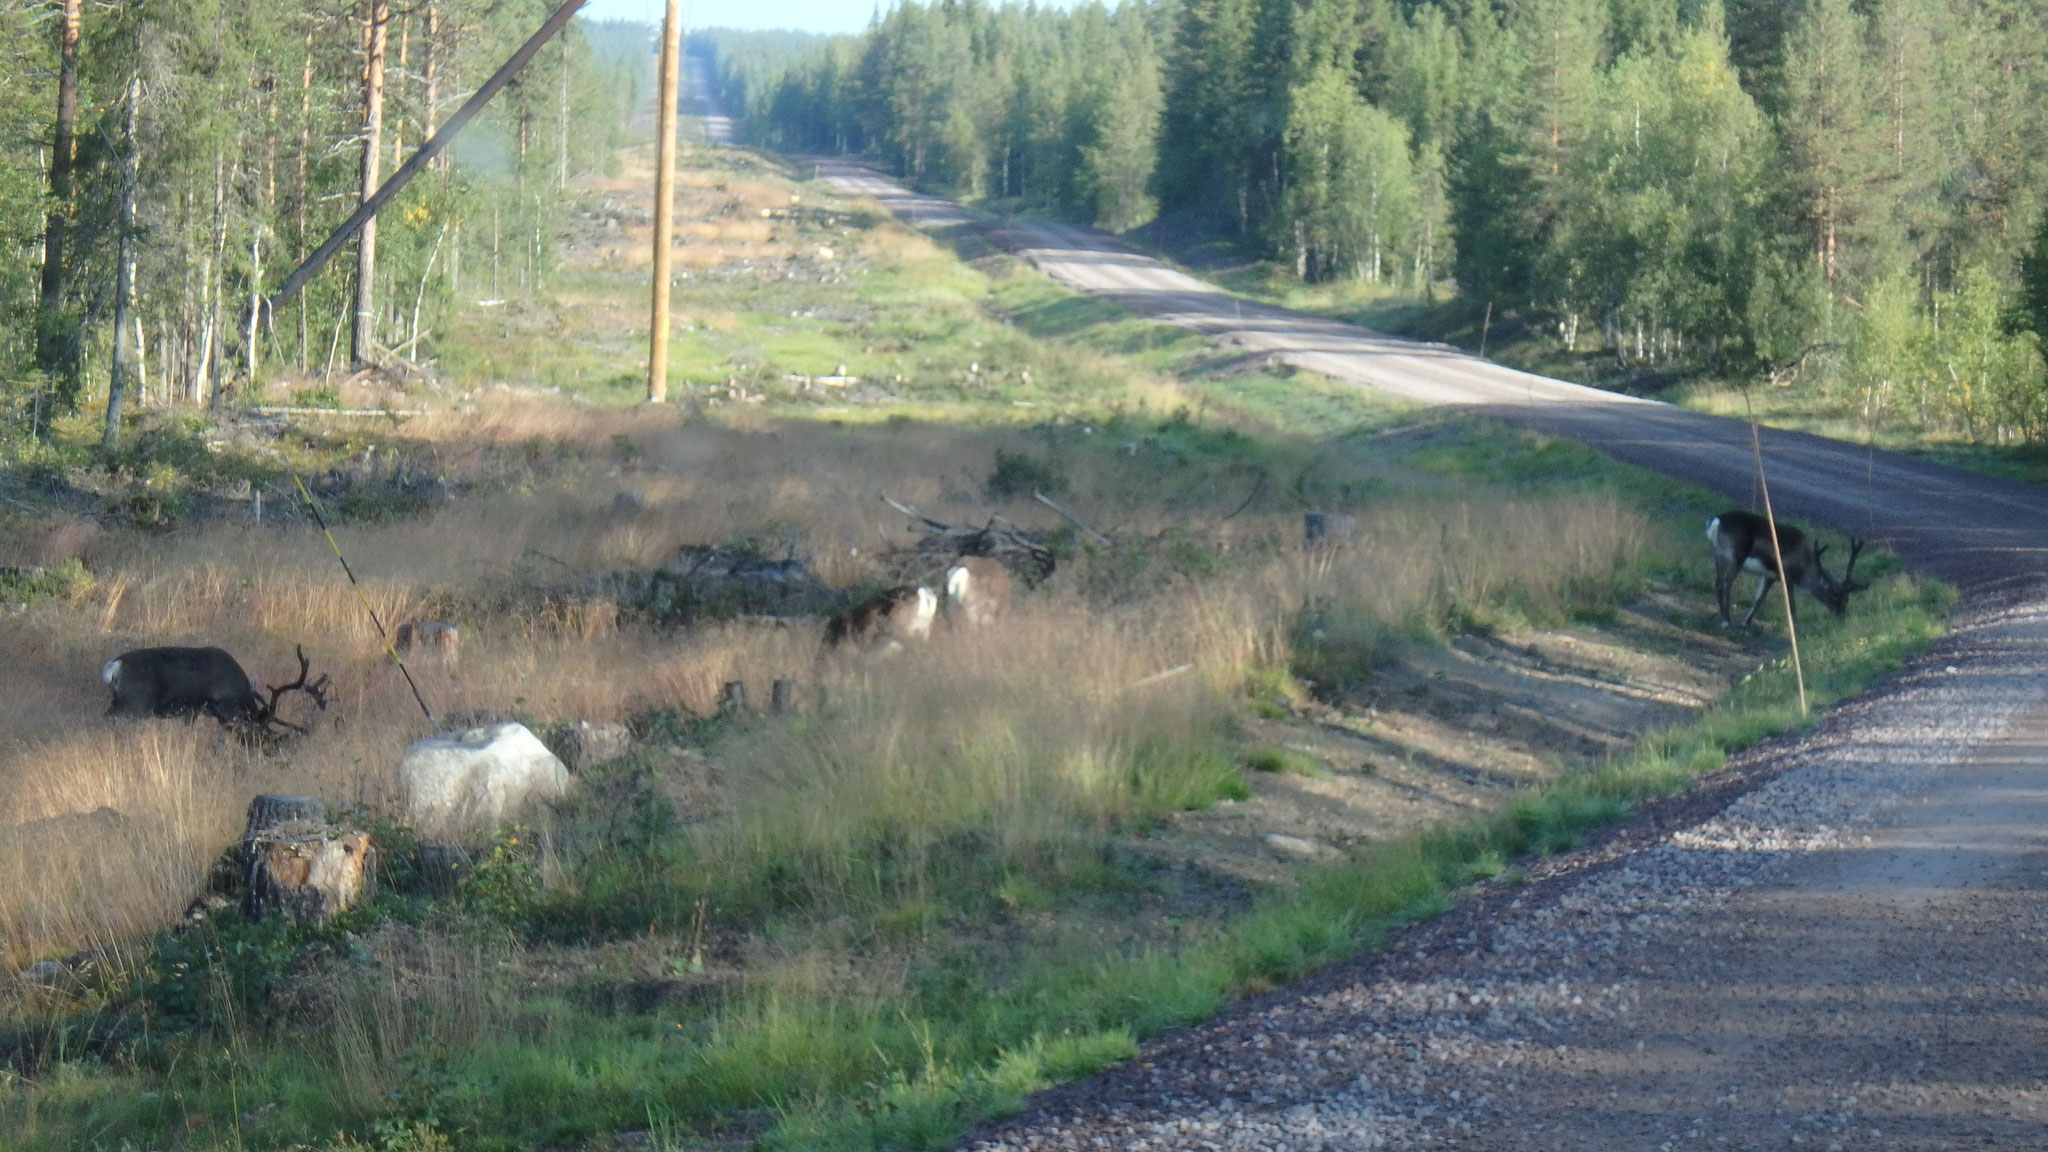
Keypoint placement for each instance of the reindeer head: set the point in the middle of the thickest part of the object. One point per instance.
(1830, 591)
(266, 711)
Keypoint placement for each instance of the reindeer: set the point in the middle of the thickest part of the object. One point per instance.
(882, 622)
(1742, 542)
(188, 681)
(441, 639)
(977, 590)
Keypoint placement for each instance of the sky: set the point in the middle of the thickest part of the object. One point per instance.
(807, 15)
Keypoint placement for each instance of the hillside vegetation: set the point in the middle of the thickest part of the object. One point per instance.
(1198, 760)
(1838, 202)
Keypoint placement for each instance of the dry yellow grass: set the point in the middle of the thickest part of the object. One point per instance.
(1022, 727)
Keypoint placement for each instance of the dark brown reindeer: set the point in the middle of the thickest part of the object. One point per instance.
(188, 681)
(881, 623)
(1742, 543)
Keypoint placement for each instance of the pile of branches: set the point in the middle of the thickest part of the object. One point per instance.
(1023, 552)
(720, 582)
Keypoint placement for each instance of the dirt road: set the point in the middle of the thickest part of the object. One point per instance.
(1842, 943)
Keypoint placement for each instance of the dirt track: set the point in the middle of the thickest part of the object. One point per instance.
(1841, 943)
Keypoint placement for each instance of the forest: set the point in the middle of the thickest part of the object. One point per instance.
(208, 147)
(1748, 189)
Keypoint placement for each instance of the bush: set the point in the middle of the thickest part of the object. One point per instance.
(70, 581)
(1019, 474)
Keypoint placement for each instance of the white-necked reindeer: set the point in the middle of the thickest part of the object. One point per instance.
(977, 590)
(883, 622)
(1742, 543)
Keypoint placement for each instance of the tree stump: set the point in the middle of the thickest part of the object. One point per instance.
(297, 866)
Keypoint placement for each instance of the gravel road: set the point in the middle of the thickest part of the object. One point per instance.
(1838, 942)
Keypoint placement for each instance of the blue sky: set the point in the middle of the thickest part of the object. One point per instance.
(809, 15)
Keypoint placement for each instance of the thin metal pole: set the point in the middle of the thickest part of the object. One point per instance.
(1756, 445)
(420, 159)
(664, 201)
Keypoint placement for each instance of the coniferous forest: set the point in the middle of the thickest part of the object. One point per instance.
(165, 163)
(1731, 188)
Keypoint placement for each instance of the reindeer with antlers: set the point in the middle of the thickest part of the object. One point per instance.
(1742, 543)
(188, 681)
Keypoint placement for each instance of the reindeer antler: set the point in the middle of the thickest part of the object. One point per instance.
(1849, 573)
(317, 690)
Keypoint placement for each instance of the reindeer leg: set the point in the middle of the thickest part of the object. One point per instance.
(1763, 585)
(1724, 592)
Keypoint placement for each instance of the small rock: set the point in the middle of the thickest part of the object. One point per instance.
(46, 974)
(1300, 848)
(592, 744)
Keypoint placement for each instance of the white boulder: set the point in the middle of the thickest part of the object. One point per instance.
(458, 783)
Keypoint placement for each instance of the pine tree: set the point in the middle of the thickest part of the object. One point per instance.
(1829, 123)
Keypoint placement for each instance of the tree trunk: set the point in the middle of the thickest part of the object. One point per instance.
(202, 371)
(420, 298)
(141, 360)
(362, 340)
(124, 277)
(255, 295)
(432, 68)
(206, 386)
(50, 352)
(562, 115)
(404, 62)
(435, 51)
(299, 210)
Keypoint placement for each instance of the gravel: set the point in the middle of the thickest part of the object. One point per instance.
(1442, 1039)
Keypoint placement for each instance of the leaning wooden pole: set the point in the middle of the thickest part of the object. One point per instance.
(664, 201)
(420, 159)
(1756, 445)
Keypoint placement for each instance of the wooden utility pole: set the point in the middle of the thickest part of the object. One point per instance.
(664, 200)
(362, 337)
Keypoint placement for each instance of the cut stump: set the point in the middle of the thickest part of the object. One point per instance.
(295, 865)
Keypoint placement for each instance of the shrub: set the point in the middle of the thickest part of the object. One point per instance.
(1019, 474)
(69, 581)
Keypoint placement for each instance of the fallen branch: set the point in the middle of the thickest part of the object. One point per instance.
(1156, 677)
(278, 410)
(1258, 486)
(914, 514)
(1070, 518)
